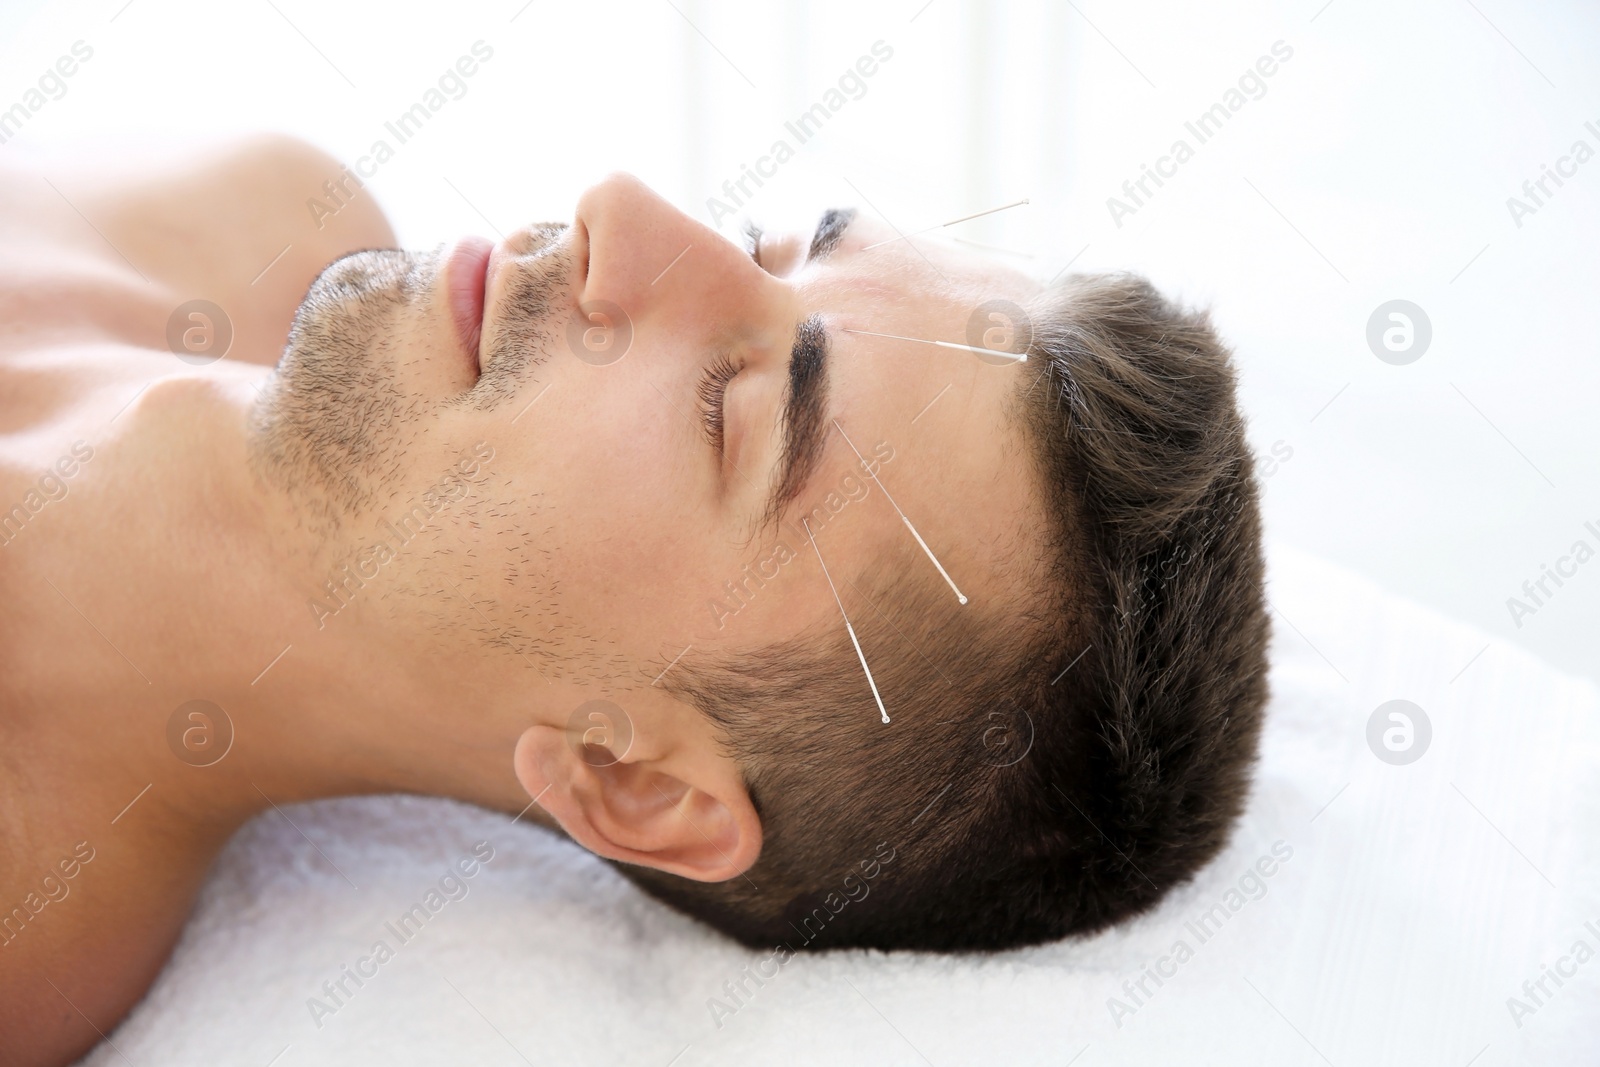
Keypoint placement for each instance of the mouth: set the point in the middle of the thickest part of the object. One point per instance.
(465, 276)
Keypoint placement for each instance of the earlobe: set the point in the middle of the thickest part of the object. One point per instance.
(689, 816)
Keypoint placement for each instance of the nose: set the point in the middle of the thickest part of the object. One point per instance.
(671, 273)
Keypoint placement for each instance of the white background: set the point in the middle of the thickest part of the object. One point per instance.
(1376, 166)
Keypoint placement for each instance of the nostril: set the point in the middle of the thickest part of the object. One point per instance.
(627, 238)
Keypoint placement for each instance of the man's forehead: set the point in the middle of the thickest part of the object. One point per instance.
(960, 471)
(844, 239)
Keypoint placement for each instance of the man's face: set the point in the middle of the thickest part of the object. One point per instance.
(620, 520)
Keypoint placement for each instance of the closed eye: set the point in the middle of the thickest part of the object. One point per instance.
(752, 240)
(713, 388)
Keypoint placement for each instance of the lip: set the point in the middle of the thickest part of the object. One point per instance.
(466, 272)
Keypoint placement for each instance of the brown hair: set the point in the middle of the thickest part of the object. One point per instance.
(1054, 767)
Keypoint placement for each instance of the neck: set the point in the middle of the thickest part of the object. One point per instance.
(173, 575)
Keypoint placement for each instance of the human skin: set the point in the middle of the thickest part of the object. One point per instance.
(578, 562)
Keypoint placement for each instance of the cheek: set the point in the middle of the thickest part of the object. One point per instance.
(626, 525)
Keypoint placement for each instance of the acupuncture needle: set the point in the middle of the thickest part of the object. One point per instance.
(952, 222)
(1019, 357)
(851, 630)
(962, 597)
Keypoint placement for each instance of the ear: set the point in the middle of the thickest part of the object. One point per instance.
(683, 812)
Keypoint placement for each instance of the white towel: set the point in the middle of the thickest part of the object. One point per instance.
(1414, 903)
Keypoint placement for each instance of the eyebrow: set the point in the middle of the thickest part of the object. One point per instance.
(804, 419)
(830, 230)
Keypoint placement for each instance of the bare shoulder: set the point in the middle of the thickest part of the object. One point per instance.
(245, 223)
(290, 186)
(233, 206)
(267, 181)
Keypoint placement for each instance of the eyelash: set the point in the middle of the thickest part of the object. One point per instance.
(752, 240)
(712, 389)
